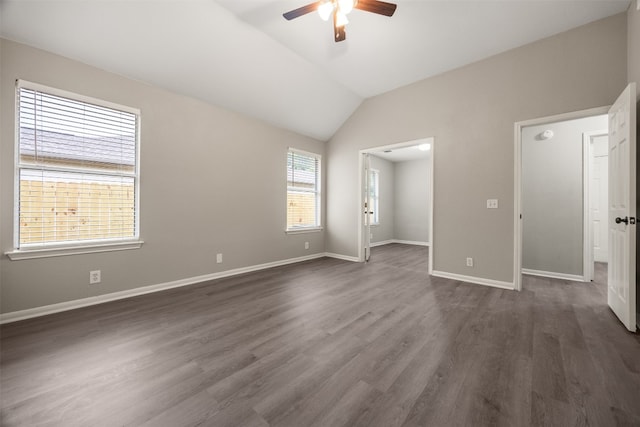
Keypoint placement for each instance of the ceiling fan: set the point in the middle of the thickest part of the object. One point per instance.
(339, 9)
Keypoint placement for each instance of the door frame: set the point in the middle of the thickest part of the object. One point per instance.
(588, 256)
(517, 197)
(361, 214)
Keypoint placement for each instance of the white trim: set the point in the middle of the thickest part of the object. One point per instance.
(16, 168)
(517, 207)
(304, 153)
(588, 255)
(342, 257)
(432, 164)
(553, 275)
(302, 230)
(364, 226)
(517, 187)
(40, 252)
(476, 280)
(587, 245)
(85, 302)
(411, 242)
(317, 191)
(402, 242)
(376, 206)
(381, 243)
(75, 96)
(98, 245)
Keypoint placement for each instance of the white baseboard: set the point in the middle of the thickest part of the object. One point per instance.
(552, 275)
(404, 242)
(411, 242)
(381, 243)
(472, 279)
(85, 302)
(342, 257)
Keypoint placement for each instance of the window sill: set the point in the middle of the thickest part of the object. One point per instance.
(20, 254)
(303, 230)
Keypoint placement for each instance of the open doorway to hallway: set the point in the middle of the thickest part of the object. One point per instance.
(621, 204)
(564, 198)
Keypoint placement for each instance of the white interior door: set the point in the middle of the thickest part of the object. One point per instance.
(599, 196)
(366, 206)
(622, 208)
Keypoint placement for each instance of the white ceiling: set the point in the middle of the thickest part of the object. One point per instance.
(404, 153)
(244, 56)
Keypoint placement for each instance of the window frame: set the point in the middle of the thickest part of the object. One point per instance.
(318, 192)
(52, 249)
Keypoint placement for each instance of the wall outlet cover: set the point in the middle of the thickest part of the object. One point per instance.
(94, 277)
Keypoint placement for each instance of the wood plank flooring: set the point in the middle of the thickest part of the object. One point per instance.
(329, 343)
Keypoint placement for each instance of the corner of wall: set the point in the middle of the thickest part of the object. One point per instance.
(633, 45)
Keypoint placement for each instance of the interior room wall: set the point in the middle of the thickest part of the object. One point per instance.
(212, 181)
(384, 231)
(633, 45)
(413, 201)
(552, 196)
(471, 112)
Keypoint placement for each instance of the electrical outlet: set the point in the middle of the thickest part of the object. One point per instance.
(306, 245)
(492, 203)
(219, 258)
(94, 277)
(469, 262)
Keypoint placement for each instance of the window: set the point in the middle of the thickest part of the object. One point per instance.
(374, 196)
(77, 170)
(303, 190)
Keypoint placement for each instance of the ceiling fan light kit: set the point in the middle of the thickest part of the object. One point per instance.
(339, 9)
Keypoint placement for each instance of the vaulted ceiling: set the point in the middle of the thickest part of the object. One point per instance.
(244, 56)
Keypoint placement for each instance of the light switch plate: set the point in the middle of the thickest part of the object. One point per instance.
(492, 203)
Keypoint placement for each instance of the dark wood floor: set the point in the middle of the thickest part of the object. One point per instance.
(329, 343)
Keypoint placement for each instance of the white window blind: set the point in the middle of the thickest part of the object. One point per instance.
(303, 190)
(77, 169)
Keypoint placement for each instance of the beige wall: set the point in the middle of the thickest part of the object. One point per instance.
(384, 231)
(413, 202)
(552, 195)
(471, 113)
(211, 181)
(633, 45)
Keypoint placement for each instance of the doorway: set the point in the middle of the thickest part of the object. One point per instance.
(622, 199)
(554, 234)
(561, 217)
(396, 196)
(596, 144)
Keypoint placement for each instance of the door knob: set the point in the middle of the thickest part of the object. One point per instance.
(625, 220)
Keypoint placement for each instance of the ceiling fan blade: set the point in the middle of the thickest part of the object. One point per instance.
(339, 34)
(376, 6)
(295, 13)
